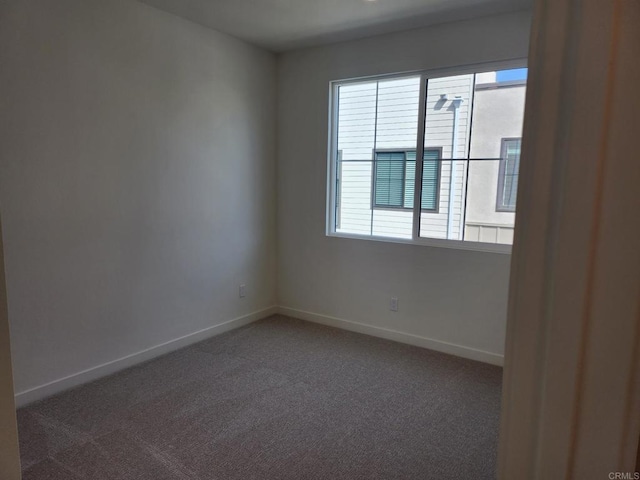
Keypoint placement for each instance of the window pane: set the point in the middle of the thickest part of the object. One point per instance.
(470, 168)
(447, 125)
(377, 127)
(356, 142)
(498, 112)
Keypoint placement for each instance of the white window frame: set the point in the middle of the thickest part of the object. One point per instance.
(333, 151)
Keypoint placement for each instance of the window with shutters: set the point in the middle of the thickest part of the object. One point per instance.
(430, 158)
(394, 179)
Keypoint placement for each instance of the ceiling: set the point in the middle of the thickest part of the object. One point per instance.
(281, 25)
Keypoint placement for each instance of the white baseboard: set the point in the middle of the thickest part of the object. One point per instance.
(37, 393)
(416, 340)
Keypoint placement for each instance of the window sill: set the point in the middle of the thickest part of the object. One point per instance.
(500, 248)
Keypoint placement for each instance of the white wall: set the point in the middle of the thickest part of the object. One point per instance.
(448, 295)
(137, 180)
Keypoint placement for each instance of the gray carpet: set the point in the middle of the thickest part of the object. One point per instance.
(278, 399)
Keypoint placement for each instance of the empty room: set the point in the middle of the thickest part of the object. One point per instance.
(359, 239)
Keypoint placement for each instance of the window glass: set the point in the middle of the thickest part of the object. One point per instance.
(467, 129)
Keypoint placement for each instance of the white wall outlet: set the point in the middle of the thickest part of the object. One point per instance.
(242, 290)
(393, 304)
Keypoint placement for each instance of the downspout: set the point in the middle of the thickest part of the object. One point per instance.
(457, 101)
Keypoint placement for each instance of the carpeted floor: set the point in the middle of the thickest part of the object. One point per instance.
(278, 399)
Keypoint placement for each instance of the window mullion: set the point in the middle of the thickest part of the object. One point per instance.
(417, 191)
(374, 154)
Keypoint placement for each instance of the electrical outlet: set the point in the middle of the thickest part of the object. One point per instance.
(393, 304)
(242, 291)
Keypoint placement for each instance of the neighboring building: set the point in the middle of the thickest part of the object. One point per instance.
(497, 130)
(376, 144)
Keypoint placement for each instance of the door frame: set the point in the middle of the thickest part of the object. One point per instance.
(571, 395)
